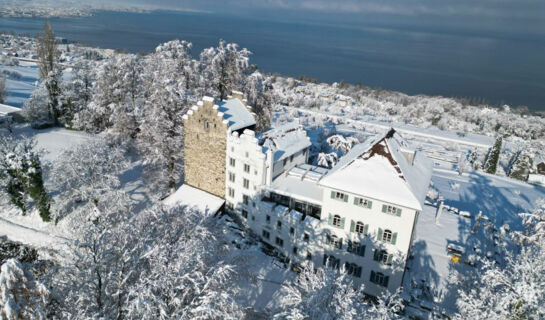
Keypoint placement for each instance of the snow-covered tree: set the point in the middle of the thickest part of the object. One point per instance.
(260, 96)
(520, 166)
(327, 160)
(2, 88)
(22, 296)
(36, 108)
(491, 163)
(21, 174)
(329, 293)
(224, 68)
(86, 173)
(187, 268)
(340, 143)
(161, 136)
(511, 290)
(50, 71)
(76, 93)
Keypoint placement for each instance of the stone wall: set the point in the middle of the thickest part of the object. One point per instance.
(205, 145)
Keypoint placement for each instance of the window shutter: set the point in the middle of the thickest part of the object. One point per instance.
(362, 251)
(349, 247)
(357, 273)
(390, 257)
(356, 200)
(352, 225)
(342, 222)
(375, 255)
(384, 208)
(385, 282)
(372, 279)
(394, 238)
(369, 204)
(398, 212)
(365, 229)
(327, 239)
(379, 235)
(345, 198)
(340, 243)
(332, 194)
(330, 219)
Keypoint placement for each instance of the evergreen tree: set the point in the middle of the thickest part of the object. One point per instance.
(491, 164)
(50, 72)
(520, 167)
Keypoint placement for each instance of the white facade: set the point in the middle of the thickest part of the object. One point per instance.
(342, 214)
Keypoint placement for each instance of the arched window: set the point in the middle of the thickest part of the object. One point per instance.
(337, 220)
(387, 236)
(360, 227)
(206, 125)
(383, 256)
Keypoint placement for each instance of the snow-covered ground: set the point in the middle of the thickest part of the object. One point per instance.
(21, 80)
(498, 198)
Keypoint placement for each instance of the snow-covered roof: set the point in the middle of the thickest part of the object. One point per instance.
(195, 198)
(382, 168)
(285, 140)
(236, 113)
(300, 183)
(5, 109)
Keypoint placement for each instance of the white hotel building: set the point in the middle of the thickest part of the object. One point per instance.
(360, 214)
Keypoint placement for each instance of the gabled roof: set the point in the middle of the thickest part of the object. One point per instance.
(378, 169)
(5, 109)
(193, 198)
(236, 113)
(285, 140)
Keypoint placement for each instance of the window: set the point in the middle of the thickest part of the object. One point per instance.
(268, 219)
(231, 177)
(266, 234)
(285, 162)
(339, 196)
(230, 205)
(245, 214)
(387, 236)
(231, 162)
(246, 168)
(292, 231)
(379, 278)
(391, 210)
(253, 218)
(279, 242)
(360, 227)
(309, 255)
(337, 220)
(245, 199)
(247, 154)
(334, 241)
(356, 248)
(246, 183)
(352, 269)
(206, 125)
(231, 192)
(363, 202)
(294, 250)
(306, 237)
(279, 225)
(331, 262)
(291, 158)
(382, 257)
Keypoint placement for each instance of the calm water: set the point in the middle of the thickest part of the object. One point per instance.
(499, 68)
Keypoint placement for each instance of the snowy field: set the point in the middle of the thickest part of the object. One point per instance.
(21, 80)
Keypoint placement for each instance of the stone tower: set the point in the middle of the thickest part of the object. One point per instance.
(205, 136)
(206, 126)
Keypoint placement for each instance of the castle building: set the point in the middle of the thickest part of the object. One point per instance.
(359, 215)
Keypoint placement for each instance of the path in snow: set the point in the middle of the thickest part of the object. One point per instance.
(30, 236)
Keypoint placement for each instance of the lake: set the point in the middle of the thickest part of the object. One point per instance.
(499, 68)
